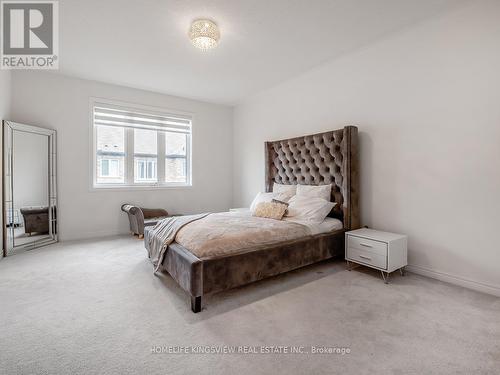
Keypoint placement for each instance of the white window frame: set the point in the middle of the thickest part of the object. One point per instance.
(129, 167)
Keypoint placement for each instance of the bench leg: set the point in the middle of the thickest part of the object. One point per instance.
(196, 304)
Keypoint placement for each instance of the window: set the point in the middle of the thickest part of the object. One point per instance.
(145, 170)
(140, 148)
(110, 155)
(145, 155)
(110, 168)
(175, 157)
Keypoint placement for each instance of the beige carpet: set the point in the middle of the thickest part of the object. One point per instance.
(95, 307)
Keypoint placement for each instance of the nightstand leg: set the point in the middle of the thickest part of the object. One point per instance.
(402, 271)
(348, 265)
(386, 278)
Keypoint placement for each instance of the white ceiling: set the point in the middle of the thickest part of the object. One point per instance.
(144, 44)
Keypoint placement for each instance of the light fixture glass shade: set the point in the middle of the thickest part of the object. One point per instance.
(204, 34)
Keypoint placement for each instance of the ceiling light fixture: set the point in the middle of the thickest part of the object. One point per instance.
(204, 34)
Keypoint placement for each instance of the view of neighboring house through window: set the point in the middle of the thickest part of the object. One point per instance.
(175, 157)
(110, 168)
(137, 147)
(145, 155)
(110, 154)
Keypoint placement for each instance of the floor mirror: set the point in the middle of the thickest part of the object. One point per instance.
(29, 187)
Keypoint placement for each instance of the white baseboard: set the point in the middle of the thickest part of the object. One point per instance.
(457, 280)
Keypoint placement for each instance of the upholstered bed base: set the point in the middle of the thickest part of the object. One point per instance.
(201, 277)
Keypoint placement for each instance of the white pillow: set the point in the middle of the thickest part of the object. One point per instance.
(290, 190)
(268, 197)
(309, 208)
(321, 191)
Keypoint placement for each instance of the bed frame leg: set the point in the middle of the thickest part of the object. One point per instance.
(196, 304)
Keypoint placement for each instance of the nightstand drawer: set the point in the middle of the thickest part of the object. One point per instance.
(367, 257)
(364, 244)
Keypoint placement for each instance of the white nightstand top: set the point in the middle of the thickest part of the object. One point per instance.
(375, 234)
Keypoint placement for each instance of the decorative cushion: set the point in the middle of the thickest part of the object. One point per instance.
(268, 197)
(280, 202)
(270, 210)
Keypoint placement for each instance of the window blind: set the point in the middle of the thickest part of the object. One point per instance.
(114, 116)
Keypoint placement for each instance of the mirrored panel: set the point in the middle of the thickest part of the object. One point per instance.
(29, 199)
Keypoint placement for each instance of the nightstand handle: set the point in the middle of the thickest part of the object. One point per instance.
(365, 244)
(363, 257)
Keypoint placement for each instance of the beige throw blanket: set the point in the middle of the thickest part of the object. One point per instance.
(163, 234)
(228, 233)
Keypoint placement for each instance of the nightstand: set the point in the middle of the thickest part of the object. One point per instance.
(383, 251)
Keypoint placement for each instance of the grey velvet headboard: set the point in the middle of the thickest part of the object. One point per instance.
(325, 158)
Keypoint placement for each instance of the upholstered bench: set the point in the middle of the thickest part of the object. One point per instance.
(35, 219)
(143, 217)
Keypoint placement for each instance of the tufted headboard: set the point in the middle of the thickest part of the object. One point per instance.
(318, 159)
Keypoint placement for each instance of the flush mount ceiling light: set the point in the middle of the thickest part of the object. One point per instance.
(204, 34)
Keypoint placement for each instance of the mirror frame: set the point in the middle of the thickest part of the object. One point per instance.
(7, 198)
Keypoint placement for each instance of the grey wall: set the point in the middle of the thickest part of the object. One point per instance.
(427, 104)
(62, 103)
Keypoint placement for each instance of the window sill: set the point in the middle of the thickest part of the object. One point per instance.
(102, 188)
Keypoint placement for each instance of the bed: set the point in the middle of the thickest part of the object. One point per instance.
(325, 158)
